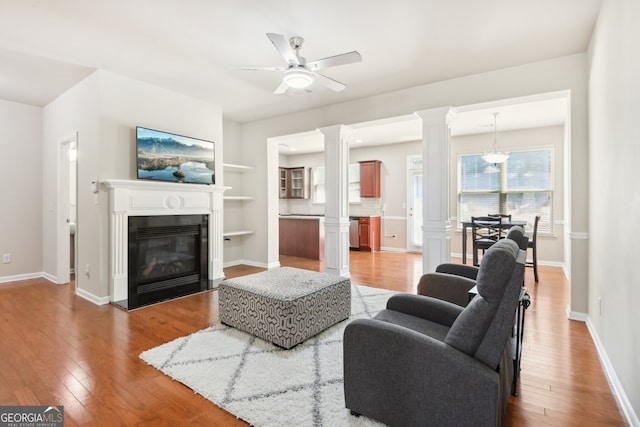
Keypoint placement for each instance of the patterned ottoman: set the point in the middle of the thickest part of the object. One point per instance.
(285, 305)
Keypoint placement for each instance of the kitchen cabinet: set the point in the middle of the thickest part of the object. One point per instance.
(370, 178)
(293, 183)
(302, 237)
(283, 180)
(369, 231)
(298, 183)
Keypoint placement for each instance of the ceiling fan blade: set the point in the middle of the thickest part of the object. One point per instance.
(281, 89)
(259, 68)
(283, 46)
(332, 61)
(330, 83)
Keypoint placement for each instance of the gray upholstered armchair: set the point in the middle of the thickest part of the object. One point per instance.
(452, 282)
(424, 361)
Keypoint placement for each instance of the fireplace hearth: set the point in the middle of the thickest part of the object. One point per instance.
(167, 258)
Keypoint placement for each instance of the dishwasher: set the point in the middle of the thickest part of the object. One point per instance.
(354, 233)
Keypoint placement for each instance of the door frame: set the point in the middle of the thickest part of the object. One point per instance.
(414, 167)
(63, 241)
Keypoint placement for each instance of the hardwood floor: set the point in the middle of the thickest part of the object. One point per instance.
(58, 349)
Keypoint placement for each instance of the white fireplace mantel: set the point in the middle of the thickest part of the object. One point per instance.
(141, 197)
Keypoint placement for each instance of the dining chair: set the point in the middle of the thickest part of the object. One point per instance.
(505, 217)
(486, 231)
(533, 245)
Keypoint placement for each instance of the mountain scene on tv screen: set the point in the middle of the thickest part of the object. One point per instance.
(167, 159)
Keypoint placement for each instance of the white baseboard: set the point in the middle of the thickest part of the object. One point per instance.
(559, 264)
(29, 276)
(609, 371)
(576, 315)
(392, 249)
(91, 297)
(251, 264)
(20, 277)
(53, 279)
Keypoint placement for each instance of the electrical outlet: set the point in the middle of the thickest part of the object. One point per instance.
(6, 258)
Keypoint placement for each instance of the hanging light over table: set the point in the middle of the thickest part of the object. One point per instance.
(495, 156)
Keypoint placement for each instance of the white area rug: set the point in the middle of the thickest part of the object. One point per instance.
(266, 385)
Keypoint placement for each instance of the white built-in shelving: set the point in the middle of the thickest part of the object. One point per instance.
(236, 168)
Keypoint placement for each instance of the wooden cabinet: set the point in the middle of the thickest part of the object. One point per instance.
(302, 237)
(293, 183)
(370, 178)
(369, 228)
(298, 183)
(283, 180)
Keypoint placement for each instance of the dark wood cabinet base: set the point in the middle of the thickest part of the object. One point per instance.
(369, 233)
(302, 238)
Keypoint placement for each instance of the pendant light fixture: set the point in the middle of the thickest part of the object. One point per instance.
(495, 156)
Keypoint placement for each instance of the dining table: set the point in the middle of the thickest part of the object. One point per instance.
(468, 224)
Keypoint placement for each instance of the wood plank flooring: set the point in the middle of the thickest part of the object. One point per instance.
(58, 349)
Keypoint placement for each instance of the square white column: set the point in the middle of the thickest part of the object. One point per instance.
(436, 176)
(336, 211)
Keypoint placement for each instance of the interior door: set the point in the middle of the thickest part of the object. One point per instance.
(414, 205)
(66, 182)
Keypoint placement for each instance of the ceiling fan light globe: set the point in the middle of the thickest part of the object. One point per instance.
(298, 78)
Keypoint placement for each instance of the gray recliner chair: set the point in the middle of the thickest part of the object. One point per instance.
(452, 282)
(427, 362)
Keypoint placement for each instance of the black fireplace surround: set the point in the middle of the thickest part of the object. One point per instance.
(168, 258)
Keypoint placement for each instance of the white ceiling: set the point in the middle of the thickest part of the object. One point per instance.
(197, 47)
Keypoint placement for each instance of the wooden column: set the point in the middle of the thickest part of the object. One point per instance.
(336, 210)
(436, 176)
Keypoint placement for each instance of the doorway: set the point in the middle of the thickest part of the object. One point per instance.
(414, 205)
(66, 213)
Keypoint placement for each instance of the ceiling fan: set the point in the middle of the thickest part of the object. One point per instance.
(298, 73)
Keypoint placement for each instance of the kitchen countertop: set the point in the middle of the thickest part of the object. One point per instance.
(313, 217)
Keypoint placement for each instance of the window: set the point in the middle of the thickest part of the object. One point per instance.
(319, 188)
(319, 194)
(522, 186)
(354, 182)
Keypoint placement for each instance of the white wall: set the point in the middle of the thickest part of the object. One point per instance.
(20, 190)
(566, 73)
(77, 110)
(614, 208)
(104, 109)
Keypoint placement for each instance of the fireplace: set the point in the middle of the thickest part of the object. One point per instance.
(136, 199)
(167, 257)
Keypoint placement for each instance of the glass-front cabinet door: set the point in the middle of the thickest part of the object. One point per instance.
(283, 183)
(297, 182)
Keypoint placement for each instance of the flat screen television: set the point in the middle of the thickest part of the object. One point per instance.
(165, 156)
